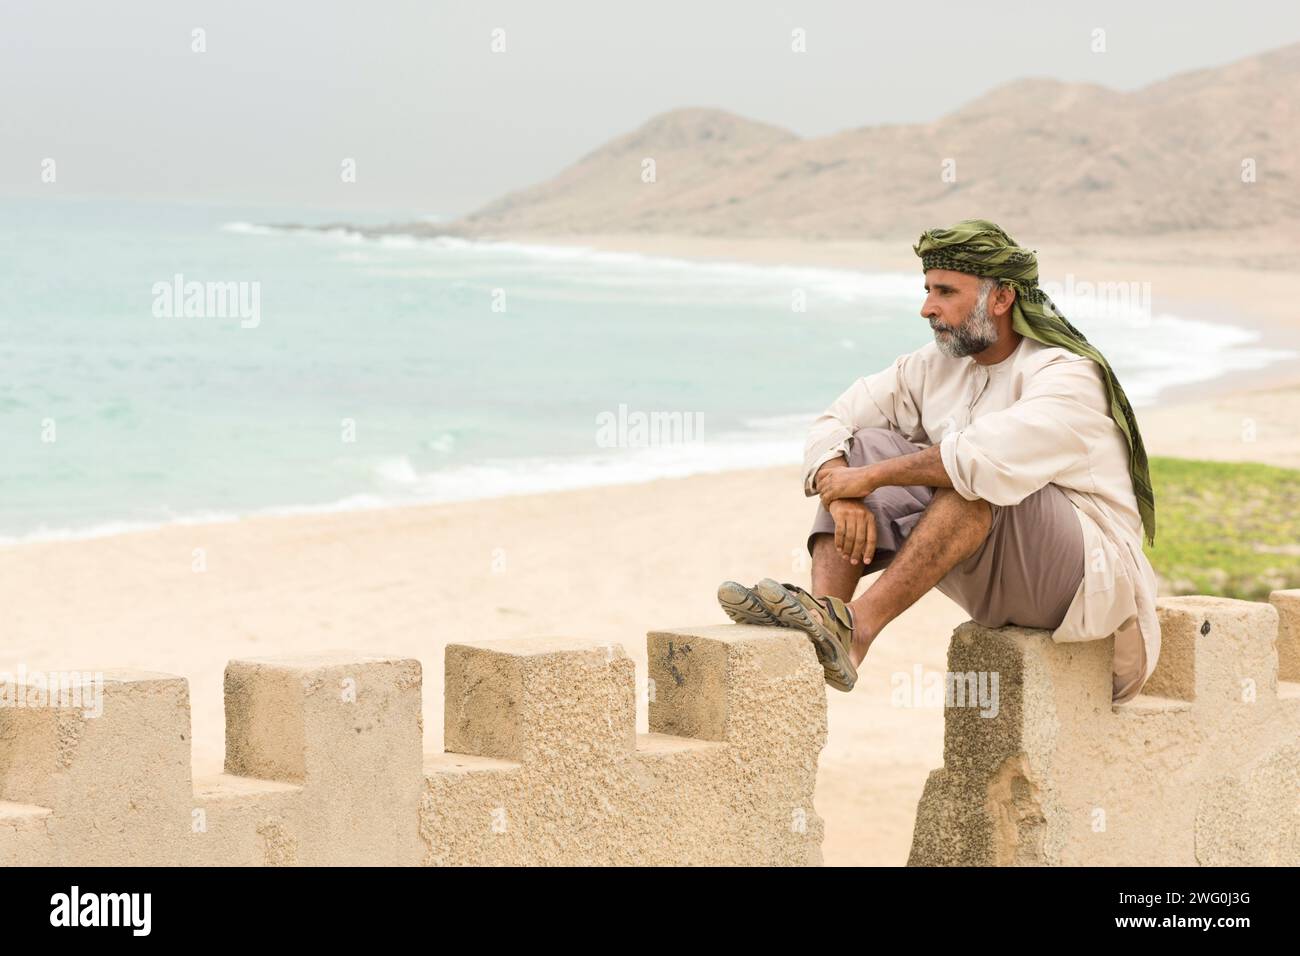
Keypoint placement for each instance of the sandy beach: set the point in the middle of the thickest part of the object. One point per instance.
(608, 562)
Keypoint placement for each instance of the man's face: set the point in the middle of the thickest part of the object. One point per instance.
(958, 313)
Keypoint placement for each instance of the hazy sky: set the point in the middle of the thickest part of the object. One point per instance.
(438, 124)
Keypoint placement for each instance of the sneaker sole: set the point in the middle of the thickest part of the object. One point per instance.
(743, 605)
(840, 672)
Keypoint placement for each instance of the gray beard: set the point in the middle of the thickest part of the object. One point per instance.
(976, 333)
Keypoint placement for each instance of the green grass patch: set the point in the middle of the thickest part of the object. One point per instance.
(1225, 528)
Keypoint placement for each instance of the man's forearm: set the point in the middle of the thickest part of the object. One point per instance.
(924, 468)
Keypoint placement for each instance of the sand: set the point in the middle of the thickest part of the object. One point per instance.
(609, 562)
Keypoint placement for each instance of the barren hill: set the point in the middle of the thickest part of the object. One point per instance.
(1057, 158)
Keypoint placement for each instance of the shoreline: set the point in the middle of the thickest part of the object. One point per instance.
(1197, 395)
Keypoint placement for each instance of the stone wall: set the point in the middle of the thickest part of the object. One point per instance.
(1201, 768)
(542, 765)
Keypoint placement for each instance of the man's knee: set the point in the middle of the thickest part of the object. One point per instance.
(875, 444)
(872, 430)
(819, 542)
(981, 513)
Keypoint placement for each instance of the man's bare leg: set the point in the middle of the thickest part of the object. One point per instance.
(950, 530)
(832, 573)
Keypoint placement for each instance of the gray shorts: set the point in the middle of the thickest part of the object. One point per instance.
(1027, 571)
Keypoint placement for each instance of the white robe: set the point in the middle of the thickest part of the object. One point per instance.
(1004, 431)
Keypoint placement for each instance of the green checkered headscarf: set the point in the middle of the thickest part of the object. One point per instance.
(981, 248)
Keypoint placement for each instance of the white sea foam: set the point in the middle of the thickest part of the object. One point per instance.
(631, 270)
(773, 441)
(108, 529)
(249, 229)
(397, 471)
(1164, 351)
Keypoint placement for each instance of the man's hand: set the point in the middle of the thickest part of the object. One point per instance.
(846, 483)
(829, 465)
(855, 530)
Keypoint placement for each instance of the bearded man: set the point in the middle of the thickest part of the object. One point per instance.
(1000, 463)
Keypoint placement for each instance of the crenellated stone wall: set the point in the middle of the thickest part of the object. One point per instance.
(543, 765)
(325, 763)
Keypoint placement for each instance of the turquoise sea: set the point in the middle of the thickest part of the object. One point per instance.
(394, 371)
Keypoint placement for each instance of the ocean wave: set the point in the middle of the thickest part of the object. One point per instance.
(249, 229)
(108, 529)
(630, 270)
(400, 485)
(1139, 345)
